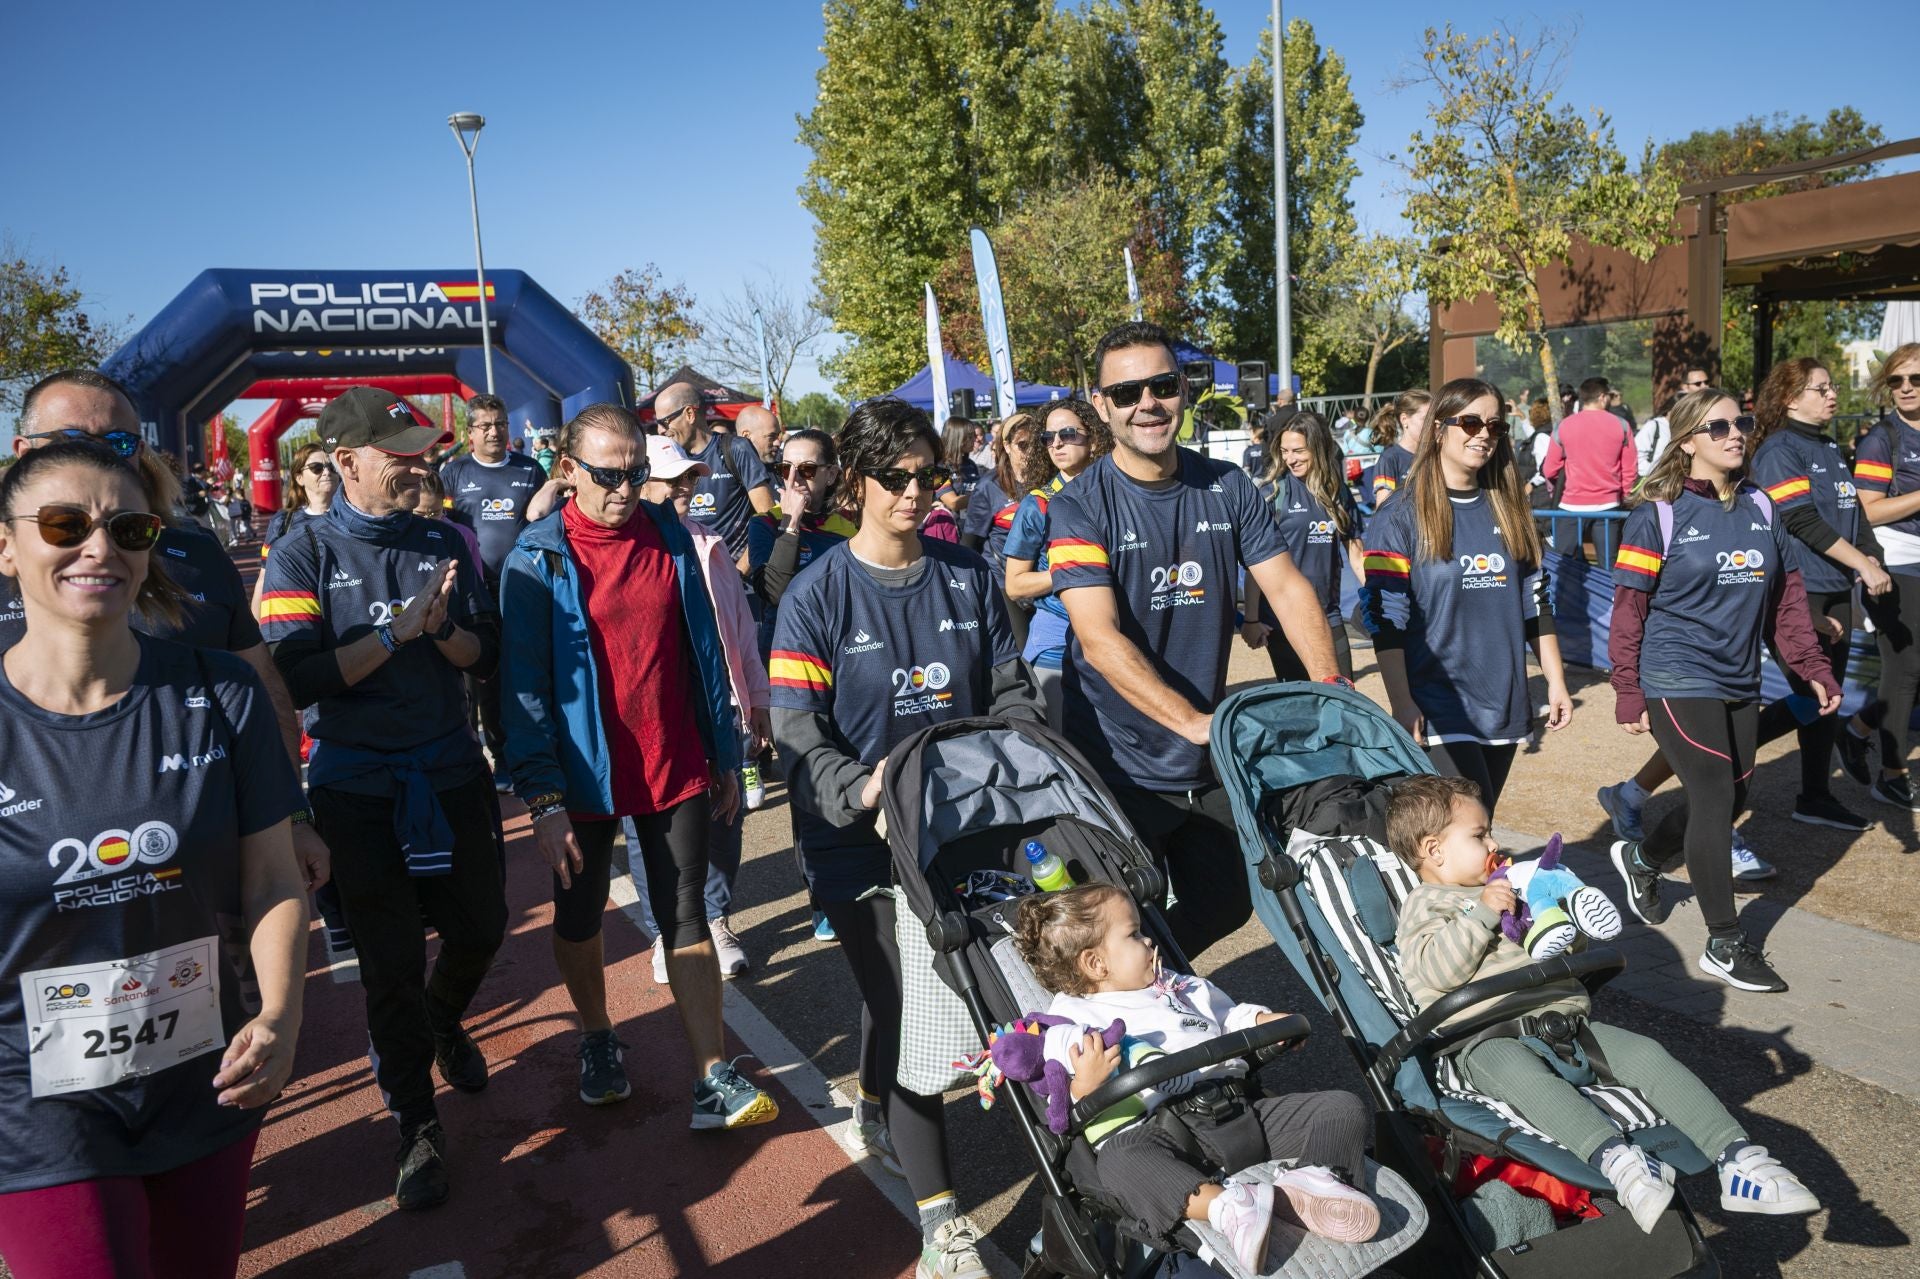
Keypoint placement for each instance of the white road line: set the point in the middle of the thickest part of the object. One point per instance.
(445, 1270)
(830, 1108)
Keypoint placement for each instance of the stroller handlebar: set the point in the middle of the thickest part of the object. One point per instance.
(1591, 968)
(1257, 1044)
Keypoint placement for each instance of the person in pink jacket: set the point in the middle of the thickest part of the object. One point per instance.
(672, 480)
(1594, 451)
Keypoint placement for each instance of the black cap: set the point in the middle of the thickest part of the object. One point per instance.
(367, 416)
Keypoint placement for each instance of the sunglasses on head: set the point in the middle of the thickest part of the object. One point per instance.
(1472, 424)
(802, 471)
(68, 526)
(894, 479)
(612, 477)
(123, 443)
(1717, 429)
(1071, 435)
(1901, 381)
(1165, 386)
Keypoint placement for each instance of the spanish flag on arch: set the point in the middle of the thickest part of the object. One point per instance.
(463, 290)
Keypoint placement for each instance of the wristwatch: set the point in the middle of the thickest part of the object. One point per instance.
(446, 630)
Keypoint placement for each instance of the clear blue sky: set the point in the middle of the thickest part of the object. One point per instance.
(147, 142)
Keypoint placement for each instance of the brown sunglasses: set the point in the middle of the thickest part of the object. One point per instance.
(69, 526)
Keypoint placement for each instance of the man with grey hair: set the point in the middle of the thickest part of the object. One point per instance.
(737, 486)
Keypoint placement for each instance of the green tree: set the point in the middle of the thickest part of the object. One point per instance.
(1505, 178)
(816, 409)
(1323, 126)
(648, 321)
(1364, 311)
(1060, 257)
(44, 324)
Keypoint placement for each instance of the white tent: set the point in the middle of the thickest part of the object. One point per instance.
(1901, 326)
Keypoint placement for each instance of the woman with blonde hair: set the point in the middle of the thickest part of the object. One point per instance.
(1455, 594)
(991, 509)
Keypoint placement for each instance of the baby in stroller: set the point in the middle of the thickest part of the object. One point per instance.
(1086, 944)
(1449, 935)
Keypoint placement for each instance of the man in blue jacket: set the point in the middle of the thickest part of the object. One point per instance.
(617, 706)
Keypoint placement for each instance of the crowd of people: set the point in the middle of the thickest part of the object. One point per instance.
(671, 606)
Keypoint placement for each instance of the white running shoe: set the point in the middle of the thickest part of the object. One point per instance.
(872, 1139)
(954, 1252)
(1754, 1181)
(1748, 866)
(1243, 1212)
(660, 961)
(732, 956)
(1642, 1184)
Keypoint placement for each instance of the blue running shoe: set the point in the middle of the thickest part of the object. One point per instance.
(603, 1076)
(724, 1099)
(823, 927)
(1624, 815)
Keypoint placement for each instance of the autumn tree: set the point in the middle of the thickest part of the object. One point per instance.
(649, 322)
(44, 324)
(731, 346)
(1503, 178)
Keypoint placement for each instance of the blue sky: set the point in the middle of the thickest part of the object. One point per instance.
(147, 142)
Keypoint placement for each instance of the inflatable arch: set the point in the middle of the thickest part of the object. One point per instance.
(231, 330)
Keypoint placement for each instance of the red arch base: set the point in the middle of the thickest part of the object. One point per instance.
(298, 398)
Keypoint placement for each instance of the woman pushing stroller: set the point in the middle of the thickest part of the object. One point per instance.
(1086, 944)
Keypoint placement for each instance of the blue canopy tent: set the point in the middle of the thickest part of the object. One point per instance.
(918, 389)
(1226, 377)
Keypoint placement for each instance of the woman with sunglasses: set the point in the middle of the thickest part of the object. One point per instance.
(990, 510)
(129, 1128)
(1455, 594)
(1072, 438)
(1886, 472)
(1320, 526)
(1700, 579)
(887, 633)
(311, 485)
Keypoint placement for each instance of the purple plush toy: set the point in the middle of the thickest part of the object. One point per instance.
(1555, 909)
(1018, 1052)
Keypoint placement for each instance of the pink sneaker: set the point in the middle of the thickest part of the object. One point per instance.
(1328, 1206)
(1243, 1212)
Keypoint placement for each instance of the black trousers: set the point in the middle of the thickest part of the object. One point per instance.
(1485, 766)
(1896, 621)
(1817, 738)
(1147, 1172)
(1193, 836)
(486, 700)
(1709, 744)
(384, 906)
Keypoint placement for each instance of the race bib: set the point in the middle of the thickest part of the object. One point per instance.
(91, 1025)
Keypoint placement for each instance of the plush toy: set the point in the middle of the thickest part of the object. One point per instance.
(1556, 908)
(1017, 1051)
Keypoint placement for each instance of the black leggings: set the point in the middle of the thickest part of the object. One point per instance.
(917, 1123)
(1709, 744)
(1779, 719)
(1485, 766)
(1896, 621)
(673, 853)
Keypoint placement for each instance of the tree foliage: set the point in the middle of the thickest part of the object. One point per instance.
(730, 348)
(44, 324)
(1363, 312)
(649, 322)
(1505, 177)
(1065, 279)
(816, 409)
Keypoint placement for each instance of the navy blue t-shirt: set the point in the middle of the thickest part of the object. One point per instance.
(883, 663)
(218, 613)
(1172, 556)
(1317, 547)
(1462, 620)
(1795, 468)
(1389, 474)
(1709, 590)
(1890, 467)
(120, 839)
(492, 501)
(990, 517)
(720, 500)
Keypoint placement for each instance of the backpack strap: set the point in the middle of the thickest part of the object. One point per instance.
(1893, 453)
(1663, 511)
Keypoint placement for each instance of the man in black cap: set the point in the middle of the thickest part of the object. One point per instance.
(374, 615)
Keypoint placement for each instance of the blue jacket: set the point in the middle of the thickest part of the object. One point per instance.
(551, 696)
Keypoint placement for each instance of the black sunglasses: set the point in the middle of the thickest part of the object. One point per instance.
(1900, 381)
(318, 468)
(1165, 386)
(1719, 428)
(68, 526)
(123, 443)
(894, 479)
(612, 477)
(1473, 425)
(802, 471)
(1071, 435)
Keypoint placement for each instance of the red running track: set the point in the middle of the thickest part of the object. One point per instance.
(543, 1184)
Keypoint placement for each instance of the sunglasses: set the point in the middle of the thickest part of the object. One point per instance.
(123, 443)
(1071, 435)
(1472, 425)
(68, 526)
(612, 477)
(1719, 428)
(1165, 386)
(894, 479)
(1901, 381)
(317, 469)
(802, 471)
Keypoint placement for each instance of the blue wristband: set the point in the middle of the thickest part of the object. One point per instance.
(385, 632)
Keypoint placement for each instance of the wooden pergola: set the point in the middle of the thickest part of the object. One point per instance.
(1853, 241)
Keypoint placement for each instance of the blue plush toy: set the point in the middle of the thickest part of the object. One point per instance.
(1557, 908)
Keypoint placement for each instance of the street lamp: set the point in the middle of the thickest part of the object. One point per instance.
(466, 126)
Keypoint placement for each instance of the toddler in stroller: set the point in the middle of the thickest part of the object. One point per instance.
(1449, 935)
(1088, 946)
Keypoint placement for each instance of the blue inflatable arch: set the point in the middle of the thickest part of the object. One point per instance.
(231, 328)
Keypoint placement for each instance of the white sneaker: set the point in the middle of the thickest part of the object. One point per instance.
(1748, 866)
(1642, 1184)
(1754, 1181)
(733, 958)
(1243, 1212)
(660, 961)
(954, 1252)
(872, 1138)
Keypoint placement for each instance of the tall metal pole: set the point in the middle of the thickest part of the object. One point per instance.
(1283, 284)
(460, 124)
